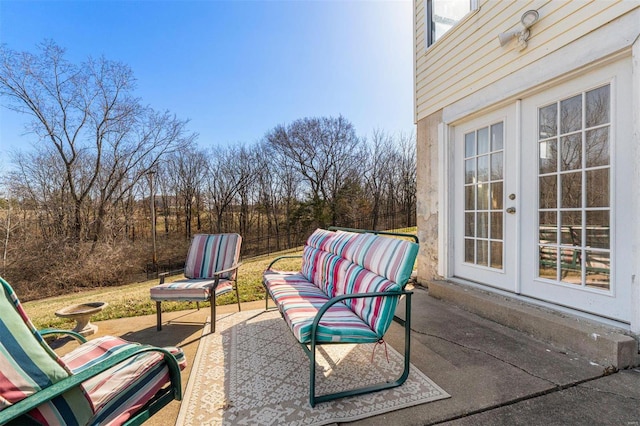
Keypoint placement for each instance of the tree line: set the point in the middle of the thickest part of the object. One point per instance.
(76, 208)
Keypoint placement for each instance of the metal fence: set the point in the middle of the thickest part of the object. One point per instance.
(254, 246)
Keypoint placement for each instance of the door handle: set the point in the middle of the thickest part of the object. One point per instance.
(511, 210)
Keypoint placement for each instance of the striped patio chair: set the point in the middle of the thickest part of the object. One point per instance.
(106, 381)
(210, 271)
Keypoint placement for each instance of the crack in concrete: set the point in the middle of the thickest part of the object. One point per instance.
(557, 387)
(488, 354)
(616, 394)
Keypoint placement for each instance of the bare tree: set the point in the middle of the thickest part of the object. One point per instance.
(247, 174)
(407, 168)
(378, 170)
(188, 169)
(105, 139)
(226, 176)
(324, 151)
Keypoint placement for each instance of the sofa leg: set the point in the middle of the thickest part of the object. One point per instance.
(266, 298)
(312, 376)
(159, 316)
(311, 353)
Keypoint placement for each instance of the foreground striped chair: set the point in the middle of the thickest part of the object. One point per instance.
(210, 271)
(106, 381)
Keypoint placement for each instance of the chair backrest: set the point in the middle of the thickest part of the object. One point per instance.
(28, 365)
(210, 253)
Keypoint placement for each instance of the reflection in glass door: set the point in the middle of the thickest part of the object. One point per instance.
(574, 190)
(483, 203)
(484, 211)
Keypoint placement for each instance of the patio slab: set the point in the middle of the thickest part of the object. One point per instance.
(495, 375)
(482, 364)
(611, 400)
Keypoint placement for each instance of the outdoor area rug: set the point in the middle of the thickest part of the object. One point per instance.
(252, 371)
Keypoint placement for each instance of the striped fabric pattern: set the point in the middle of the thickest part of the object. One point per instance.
(123, 389)
(339, 263)
(391, 258)
(299, 301)
(197, 290)
(211, 253)
(28, 365)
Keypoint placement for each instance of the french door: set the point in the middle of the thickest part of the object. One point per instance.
(485, 200)
(542, 190)
(574, 153)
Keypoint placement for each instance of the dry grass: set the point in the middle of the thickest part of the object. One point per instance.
(133, 300)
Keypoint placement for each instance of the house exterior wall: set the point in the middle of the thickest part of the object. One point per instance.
(427, 196)
(467, 72)
(469, 57)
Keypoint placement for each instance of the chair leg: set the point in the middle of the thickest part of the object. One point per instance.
(159, 315)
(238, 297)
(213, 313)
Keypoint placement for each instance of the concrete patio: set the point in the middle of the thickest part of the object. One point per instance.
(495, 375)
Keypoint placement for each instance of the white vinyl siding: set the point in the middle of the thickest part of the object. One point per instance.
(469, 57)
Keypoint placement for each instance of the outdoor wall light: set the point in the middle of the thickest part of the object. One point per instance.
(528, 18)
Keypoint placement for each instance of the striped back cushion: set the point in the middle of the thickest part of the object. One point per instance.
(211, 253)
(317, 246)
(28, 365)
(375, 311)
(391, 258)
(345, 263)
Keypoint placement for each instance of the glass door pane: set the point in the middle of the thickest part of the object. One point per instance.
(574, 190)
(484, 196)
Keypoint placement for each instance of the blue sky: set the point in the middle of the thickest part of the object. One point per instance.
(236, 69)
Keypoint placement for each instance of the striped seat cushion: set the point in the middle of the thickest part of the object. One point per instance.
(211, 253)
(192, 290)
(123, 389)
(299, 301)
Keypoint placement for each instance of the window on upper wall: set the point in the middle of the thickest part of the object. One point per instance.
(442, 15)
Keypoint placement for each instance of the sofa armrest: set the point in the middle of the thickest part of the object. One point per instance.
(334, 300)
(47, 331)
(229, 269)
(296, 256)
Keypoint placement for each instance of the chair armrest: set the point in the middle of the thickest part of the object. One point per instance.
(162, 276)
(229, 269)
(296, 256)
(31, 402)
(46, 331)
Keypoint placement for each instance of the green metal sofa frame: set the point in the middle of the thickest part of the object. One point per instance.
(375, 268)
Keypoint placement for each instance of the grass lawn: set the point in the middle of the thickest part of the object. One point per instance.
(133, 300)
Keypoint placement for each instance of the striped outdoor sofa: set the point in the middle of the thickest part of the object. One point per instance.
(106, 381)
(346, 292)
